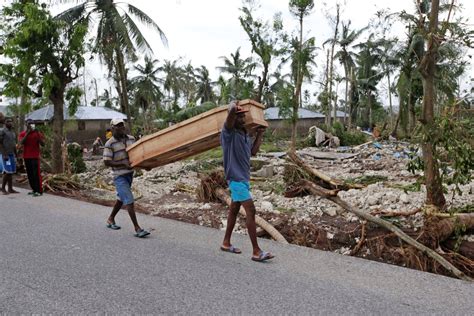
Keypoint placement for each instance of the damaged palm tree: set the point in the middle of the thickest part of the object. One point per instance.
(315, 189)
(213, 189)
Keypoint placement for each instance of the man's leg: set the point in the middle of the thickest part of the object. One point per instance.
(133, 216)
(249, 207)
(231, 218)
(4, 183)
(10, 183)
(29, 172)
(115, 210)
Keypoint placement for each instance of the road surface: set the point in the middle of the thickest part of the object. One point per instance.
(57, 256)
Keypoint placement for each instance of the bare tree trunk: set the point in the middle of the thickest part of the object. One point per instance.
(331, 68)
(434, 189)
(261, 83)
(351, 105)
(123, 87)
(346, 94)
(390, 99)
(297, 94)
(57, 98)
(328, 113)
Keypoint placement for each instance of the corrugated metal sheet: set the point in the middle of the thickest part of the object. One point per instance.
(274, 114)
(82, 113)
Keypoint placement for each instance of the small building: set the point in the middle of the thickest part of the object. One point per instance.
(282, 126)
(88, 123)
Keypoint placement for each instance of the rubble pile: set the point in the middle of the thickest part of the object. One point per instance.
(161, 190)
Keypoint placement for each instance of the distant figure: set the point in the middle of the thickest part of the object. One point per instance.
(8, 156)
(108, 134)
(375, 131)
(237, 148)
(116, 157)
(31, 139)
(96, 146)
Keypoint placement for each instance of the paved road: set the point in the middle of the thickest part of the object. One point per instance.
(57, 256)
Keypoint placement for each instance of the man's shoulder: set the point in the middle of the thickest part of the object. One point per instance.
(110, 141)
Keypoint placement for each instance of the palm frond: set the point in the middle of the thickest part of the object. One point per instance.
(144, 18)
(136, 34)
(73, 14)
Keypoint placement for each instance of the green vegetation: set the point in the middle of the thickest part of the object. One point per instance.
(366, 180)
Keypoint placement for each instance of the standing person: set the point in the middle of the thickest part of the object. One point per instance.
(116, 157)
(237, 148)
(8, 156)
(108, 134)
(31, 140)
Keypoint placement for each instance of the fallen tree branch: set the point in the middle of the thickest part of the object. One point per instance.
(387, 213)
(333, 183)
(397, 231)
(275, 234)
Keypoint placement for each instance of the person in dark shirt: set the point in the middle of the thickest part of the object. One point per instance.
(237, 148)
(31, 139)
(8, 156)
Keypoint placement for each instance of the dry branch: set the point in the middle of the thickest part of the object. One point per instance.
(275, 234)
(333, 183)
(397, 231)
(387, 213)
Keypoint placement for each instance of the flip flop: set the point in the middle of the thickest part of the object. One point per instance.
(142, 233)
(263, 256)
(231, 249)
(113, 226)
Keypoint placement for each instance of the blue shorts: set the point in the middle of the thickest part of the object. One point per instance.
(239, 191)
(9, 165)
(123, 185)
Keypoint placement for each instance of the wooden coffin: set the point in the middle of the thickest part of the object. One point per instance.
(190, 137)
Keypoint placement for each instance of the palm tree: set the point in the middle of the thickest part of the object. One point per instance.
(368, 75)
(239, 69)
(118, 37)
(346, 57)
(147, 93)
(172, 81)
(263, 44)
(300, 9)
(204, 85)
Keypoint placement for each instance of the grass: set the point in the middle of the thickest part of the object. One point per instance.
(412, 187)
(462, 209)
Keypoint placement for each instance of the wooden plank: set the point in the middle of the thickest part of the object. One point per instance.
(190, 137)
(327, 155)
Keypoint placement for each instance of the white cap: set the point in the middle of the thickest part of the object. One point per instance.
(116, 121)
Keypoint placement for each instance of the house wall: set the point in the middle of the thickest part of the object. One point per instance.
(85, 132)
(283, 127)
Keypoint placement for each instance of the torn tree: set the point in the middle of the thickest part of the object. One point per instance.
(332, 195)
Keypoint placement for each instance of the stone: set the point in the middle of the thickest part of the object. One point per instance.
(266, 206)
(404, 198)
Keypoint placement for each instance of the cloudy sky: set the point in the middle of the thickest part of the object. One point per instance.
(202, 31)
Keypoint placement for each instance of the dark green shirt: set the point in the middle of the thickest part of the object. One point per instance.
(7, 141)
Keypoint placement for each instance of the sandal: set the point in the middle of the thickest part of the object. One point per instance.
(263, 256)
(142, 233)
(113, 226)
(231, 249)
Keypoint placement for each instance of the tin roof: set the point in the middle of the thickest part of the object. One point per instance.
(274, 114)
(82, 113)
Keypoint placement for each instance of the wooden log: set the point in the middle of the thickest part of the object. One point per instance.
(275, 234)
(397, 231)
